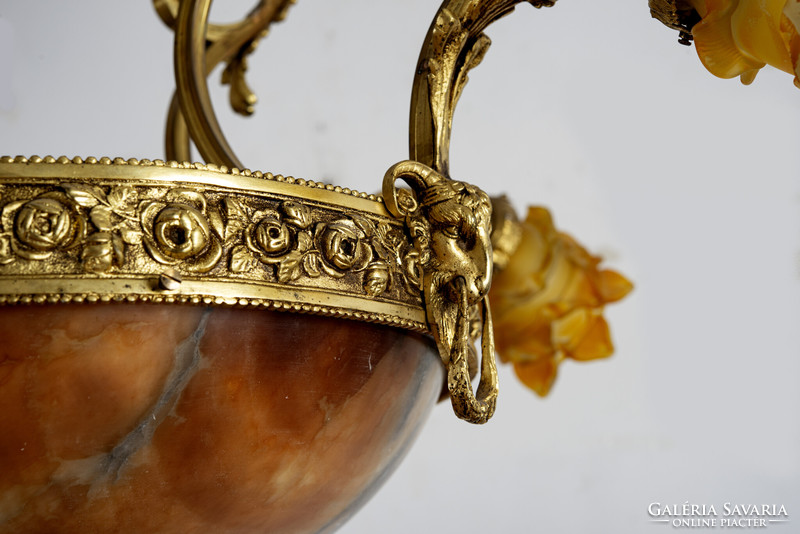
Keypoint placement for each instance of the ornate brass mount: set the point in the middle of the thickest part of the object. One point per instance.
(113, 230)
(449, 222)
(116, 230)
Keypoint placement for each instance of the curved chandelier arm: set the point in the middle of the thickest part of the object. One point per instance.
(190, 78)
(199, 48)
(455, 44)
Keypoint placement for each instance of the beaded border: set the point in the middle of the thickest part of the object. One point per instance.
(115, 230)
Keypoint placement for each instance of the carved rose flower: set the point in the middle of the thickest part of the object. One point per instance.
(271, 235)
(43, 224)
(548, 303)
(34, 229)
(182, 231)
(344, 245)
(739, 37)
(277, 238)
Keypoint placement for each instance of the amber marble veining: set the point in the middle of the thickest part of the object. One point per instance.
(145, 418)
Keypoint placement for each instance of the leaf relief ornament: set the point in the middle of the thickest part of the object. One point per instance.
(113, 215)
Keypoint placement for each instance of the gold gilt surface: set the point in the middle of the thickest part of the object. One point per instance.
(128, 230)
(116, 230)
(451, 221)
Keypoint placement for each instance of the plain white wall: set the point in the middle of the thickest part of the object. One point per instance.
(688, 184)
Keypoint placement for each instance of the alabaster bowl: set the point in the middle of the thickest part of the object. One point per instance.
(123, 417)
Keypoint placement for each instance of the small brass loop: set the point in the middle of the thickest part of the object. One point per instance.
(488, 385)
(414, 174)
(474, 408)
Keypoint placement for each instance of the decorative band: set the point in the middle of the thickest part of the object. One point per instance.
(116, 230)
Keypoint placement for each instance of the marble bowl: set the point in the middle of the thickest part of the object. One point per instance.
(170, 418)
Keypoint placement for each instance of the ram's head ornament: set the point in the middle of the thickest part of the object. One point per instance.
(450, 223)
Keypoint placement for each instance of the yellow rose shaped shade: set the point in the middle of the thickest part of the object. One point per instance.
(739, 37)
(548, 303)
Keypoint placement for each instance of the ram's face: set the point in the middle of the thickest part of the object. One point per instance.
(461, 245)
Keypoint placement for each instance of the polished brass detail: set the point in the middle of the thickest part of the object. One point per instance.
(679, 15)
(211, 234)
(182, 231)
(450, 223)
(506, 231)
(199, 47)
(128, 230)
(170, 280)
(455, 44)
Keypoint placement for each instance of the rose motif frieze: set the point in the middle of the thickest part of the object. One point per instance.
(181, 230)
(290, 240)
(206, 234)
(79, 218)
(275, 238)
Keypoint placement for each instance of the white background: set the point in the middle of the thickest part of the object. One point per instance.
(688, 184)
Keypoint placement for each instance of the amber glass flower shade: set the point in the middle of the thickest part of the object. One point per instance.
(170, 418)
(549, 302)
